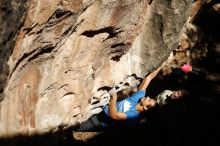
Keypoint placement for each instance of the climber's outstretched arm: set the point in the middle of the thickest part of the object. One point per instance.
(148, 78)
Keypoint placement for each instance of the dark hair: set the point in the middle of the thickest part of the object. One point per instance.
(185, 92)
(151, 110)
(151, 113)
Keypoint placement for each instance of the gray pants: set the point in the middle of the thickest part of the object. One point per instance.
(91, 125)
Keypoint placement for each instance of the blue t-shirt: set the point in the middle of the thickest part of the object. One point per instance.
(128, 105)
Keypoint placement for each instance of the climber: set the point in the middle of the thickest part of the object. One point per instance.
(128, 111)
(131, 108)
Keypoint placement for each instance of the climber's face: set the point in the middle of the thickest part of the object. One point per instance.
(147, 103)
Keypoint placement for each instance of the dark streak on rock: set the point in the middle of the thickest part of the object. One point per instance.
(69, 93)
(28, 30)
(117, 57)
(104, 88)
(135, 76)
(57, 16)
(110, 30)
(117, 45)
(44, 50)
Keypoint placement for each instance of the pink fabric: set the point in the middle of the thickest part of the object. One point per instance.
(186, 68)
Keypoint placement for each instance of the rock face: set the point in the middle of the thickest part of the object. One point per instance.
(12, 15)
(68, 53)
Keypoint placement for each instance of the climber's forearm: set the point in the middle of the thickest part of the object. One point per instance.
(148, 78)
(113, 111)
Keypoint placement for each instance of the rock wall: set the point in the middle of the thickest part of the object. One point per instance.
(68, 53)
(12, 15)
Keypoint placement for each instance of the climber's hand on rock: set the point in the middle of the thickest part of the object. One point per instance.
(113, 92)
